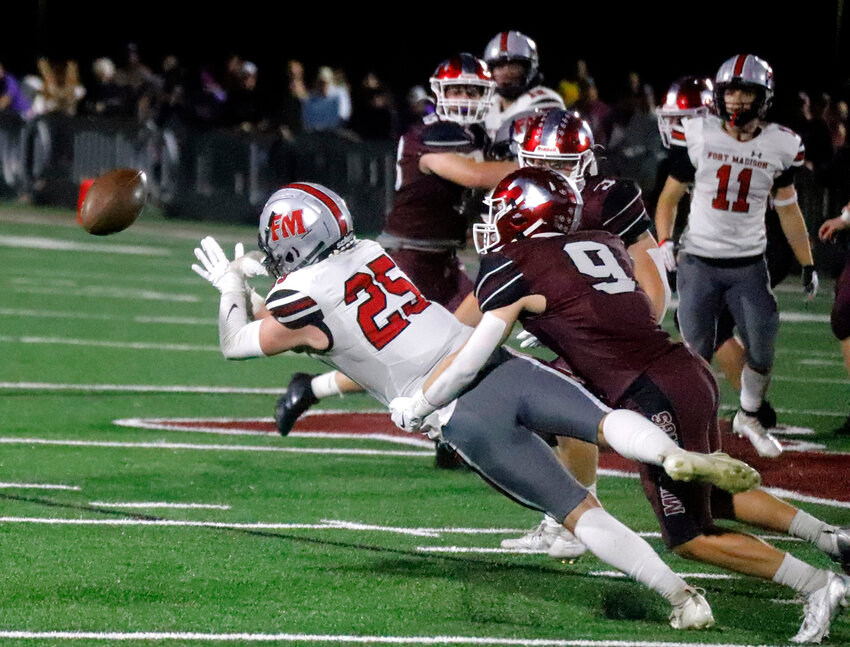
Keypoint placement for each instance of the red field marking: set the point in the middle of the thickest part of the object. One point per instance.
(811, 473)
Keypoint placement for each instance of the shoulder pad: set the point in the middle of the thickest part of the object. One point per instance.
(447, 135)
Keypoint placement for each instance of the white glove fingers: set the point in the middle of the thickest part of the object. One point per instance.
(201, 272)
(205, 261)
(238, 251)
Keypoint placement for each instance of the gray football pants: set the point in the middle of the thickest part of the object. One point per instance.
(704, 288)
(493, 427)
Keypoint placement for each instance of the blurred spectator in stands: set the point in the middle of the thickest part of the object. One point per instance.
(341, 88)
(374, 112)
(286, 113)
(172, 108)
(205, 99)
(104, 97)
(570, 88)
(12, 98)
(321, 109)
(244, 107)
(140, 82)
(634, 148)
(836, 119)
(818, 136)
(417, 104)
(594, 111)
(61, 90)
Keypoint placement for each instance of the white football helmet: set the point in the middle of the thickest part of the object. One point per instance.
(463, 70)
(302, 223)
(750, 73)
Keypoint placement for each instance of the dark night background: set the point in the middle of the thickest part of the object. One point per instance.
(403, 43)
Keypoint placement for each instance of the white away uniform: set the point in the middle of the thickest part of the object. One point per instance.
(722, 248)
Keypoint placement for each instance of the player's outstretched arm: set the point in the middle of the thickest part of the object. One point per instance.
(665, 215)
(649, 267)
(794, 227)
(465, 171)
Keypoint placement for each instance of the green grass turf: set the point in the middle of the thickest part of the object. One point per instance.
(94, 316)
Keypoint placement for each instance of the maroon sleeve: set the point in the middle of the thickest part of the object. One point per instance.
(500, 282)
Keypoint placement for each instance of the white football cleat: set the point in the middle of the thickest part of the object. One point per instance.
(542, 539)
(693, 613)
(566, 546)
(821, 607)
(749, 427)
(717, 468)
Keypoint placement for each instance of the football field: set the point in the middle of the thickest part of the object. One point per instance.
(144, 498)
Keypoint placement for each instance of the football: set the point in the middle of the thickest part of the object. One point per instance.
(113, 201)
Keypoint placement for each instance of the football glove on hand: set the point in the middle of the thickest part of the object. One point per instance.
(668, 254)
(408, 414)
(226, 276)
(527, 340)
(810, 281)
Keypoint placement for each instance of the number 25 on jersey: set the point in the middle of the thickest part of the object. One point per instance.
(377, 286)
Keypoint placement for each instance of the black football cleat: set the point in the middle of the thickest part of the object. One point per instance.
(766, 415)
(297, 399)
(446, 458)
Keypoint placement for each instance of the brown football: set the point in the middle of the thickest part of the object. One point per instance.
(113, 202)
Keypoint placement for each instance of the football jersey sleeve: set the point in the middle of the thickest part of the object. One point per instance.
(681, 168)
(786, 177)
(499, 283)
(292, 307)
(624, 213)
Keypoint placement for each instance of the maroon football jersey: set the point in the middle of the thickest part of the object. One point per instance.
(597, 318)
(427, 207)
(615, 205)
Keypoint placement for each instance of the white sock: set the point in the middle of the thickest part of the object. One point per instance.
(633, 436)
(753, 387)
(324, 385)
(800, 576)
(815, 531)
(615, 544)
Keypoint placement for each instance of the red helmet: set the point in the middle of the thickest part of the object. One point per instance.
(529, 202)
(468, 72)
(688, 96)
(560, 140)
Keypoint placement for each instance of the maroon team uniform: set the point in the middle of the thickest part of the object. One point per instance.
(601, 323)
(427, 224)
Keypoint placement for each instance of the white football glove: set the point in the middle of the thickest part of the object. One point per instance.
(409, 414)
(226, 276)
(668, 254)
(527, 340)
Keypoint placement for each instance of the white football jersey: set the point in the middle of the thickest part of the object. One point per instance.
(732, 185)
(384, 334)
(536, 99)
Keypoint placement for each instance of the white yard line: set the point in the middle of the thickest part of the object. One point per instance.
(104, 292)
(116, 636)
(56, 244)
(99, 343)
(63, 314)
(155, 505)
(212, 448)
(135, 388)
(38, 486)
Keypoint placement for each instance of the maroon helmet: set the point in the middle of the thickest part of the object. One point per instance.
(531, 201)
(688, 96)
(560, 140)
(471, 74)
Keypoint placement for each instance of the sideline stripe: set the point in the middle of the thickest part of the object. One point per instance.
(343, 638)
(38, 486)
(789, 494)
(161, 504)
(132, 345)
(214, 448)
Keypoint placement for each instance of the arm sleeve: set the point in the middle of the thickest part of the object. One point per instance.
(624, 213)
(293, 308)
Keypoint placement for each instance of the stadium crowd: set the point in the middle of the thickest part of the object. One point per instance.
(236, 94)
